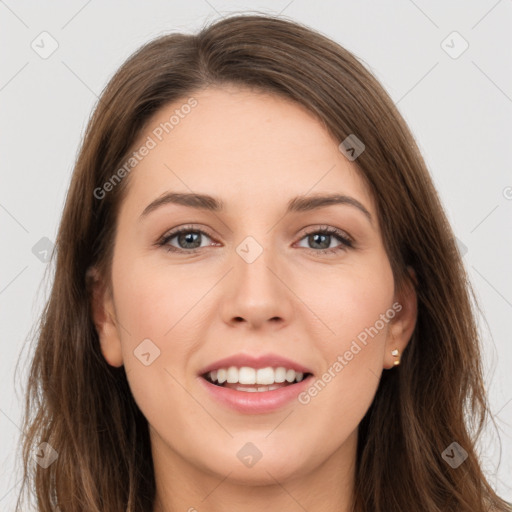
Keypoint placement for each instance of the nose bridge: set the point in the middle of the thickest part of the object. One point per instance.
(255, 264)
(257, 292)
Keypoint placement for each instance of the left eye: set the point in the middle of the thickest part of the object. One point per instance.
(189, 240)
(319, 237)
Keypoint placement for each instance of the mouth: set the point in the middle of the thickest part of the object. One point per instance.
(249, 390)
(252, 380)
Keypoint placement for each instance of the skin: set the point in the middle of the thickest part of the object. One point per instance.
(255, 152)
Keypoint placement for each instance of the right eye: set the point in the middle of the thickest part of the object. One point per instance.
(187, 237)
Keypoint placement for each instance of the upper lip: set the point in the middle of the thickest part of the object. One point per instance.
(261, 361)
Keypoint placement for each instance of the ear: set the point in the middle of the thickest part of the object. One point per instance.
(104, 317)
(402, 325)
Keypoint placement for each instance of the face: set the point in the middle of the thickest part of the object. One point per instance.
(268, 280)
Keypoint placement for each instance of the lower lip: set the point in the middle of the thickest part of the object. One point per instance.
(258, 402)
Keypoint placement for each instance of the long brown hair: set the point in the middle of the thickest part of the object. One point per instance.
(83, 408)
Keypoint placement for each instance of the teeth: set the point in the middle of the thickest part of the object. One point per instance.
(264, 376)
(220, 377)
(280, 375)
(247, 375)
(258, 389)
(232, 374)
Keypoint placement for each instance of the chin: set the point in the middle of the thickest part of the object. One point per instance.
(250, 465)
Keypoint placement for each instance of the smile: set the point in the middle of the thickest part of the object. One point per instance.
(249, 379)
(255, 391)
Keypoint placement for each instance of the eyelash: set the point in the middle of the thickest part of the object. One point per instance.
(346, 243)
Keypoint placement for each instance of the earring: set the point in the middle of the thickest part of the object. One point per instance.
(396, 353)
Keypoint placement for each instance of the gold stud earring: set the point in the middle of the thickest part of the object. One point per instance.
(396, 353)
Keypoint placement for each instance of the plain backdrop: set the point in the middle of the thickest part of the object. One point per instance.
(447, 65)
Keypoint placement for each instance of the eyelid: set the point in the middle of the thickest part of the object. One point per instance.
(329, 229)
(187, 227)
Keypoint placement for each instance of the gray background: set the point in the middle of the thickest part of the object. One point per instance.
(459, 108)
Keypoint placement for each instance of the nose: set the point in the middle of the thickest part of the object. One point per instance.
(257, 292)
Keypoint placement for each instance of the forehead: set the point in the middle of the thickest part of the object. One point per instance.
(253, 149)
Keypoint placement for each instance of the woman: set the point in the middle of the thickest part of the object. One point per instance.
(258, 301)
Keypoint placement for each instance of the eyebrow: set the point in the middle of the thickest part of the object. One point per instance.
(210, 203)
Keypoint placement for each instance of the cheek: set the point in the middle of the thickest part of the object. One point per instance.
(357, 307)
(153, 301)
(152, 314)
(157, 337)
(350, 299)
